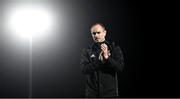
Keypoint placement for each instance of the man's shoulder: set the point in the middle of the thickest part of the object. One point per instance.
(112, 44)
(114, 47)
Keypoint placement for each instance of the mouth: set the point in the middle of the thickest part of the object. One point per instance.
(97, 38)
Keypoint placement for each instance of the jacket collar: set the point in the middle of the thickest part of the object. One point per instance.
(97, 45)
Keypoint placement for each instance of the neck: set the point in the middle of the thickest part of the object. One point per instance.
(99, 43)
(102, 41)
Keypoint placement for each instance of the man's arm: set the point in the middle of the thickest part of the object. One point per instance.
(86, 65)
(117, 61)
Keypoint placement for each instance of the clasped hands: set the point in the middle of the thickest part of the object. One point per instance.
(104, 54)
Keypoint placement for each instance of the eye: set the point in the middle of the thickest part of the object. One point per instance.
(94, 33)
(98, 32)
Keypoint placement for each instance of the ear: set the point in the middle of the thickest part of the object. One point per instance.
(105, 32)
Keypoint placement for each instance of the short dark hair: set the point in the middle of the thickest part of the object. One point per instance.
(102, 25)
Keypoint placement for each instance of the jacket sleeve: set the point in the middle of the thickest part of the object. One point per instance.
(116, 61)
(88, 66)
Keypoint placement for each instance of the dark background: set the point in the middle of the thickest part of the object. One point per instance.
(137, 26)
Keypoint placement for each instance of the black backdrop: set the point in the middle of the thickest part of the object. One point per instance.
(134, 25)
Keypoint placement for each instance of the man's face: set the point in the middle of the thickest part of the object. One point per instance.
(98, 33)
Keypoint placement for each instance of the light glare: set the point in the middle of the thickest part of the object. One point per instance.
(30, 21)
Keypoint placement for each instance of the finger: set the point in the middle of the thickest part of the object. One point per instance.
(103, 48)
(104, 45)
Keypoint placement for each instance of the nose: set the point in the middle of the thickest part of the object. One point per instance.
(96, 35)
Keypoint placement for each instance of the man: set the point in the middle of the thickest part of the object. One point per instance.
(100, 64)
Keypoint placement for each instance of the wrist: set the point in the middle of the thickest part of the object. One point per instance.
(106, 56)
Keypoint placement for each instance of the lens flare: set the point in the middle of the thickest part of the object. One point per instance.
(30, 21)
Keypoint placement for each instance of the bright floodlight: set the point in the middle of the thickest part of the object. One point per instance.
(30, 21)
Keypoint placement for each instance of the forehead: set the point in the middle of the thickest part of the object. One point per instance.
(97, 28)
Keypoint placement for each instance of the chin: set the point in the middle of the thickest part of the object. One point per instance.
(98, 41)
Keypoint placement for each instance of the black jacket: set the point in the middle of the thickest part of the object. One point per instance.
(101, 77)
